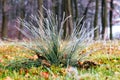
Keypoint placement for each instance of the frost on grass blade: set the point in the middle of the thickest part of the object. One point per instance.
(47, 41)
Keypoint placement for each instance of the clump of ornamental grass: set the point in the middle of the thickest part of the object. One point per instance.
(48, 44)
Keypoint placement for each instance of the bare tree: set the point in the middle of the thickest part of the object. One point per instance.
(110, 18)
(84, 15)
(22, 16)
(56, 9)
(104, 17)
(76, 9)
(68, 26)
(40, 3)
(96, 32)
(4, 29)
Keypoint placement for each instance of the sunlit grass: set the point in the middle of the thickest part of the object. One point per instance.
(19, 69)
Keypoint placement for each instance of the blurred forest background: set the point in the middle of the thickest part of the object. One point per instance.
(103, 14)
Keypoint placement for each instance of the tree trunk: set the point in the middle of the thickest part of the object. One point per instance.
(76, 9)
(40, 3)
(68, 26)
(57, 11)
(22, 16)
(104, 18)
(40, 8)
(84, 16)
(4, 27)
(110, 18)
(96, 32)
(59, 14)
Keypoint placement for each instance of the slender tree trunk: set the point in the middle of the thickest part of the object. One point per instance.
(72, 7)
(40, 8)
(64, 27)
(40, 3)
(110, 18)
(59, 14)
(76, 9)
(104, 18)
(96, 32)
(68, 26)
(84, 16)
(4, 21)
(22, 16)
(57, 11)
(86, 9)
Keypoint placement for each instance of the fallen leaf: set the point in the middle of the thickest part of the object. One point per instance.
(8, 57)
(1, 60)
(46, 63)
(21, 71)
(117, 73)
(8, 78)
(44, 75)
(35, 57)
(27, 75)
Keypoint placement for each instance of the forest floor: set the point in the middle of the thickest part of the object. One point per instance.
(19, 63)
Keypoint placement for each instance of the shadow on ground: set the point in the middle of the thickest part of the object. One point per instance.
(25, 64)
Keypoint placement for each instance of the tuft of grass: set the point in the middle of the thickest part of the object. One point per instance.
(25, 69)
(46, 41)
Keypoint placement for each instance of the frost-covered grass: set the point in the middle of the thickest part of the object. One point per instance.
(47, 42)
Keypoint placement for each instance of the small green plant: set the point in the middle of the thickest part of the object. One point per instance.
(46, 41)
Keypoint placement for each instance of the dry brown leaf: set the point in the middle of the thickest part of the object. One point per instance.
(27, 75)
(1, 60)
(21, 71)
(35, 57)
(46, 63)
(44, 75)
(8, 78)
